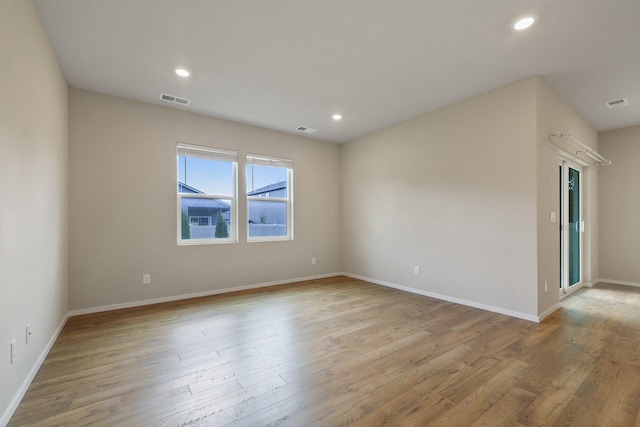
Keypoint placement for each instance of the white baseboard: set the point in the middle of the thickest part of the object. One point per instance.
(468, 303)
(17, 398)
(8, 413)
(194, 295)
(617, 282)
(34, 370)
(546, 313)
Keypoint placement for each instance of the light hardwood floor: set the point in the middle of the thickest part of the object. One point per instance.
(338, 352)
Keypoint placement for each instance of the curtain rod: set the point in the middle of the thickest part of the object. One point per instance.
(583, 148)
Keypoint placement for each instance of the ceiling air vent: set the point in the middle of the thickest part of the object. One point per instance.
(305, 129)
(174, 99)
(617, 103)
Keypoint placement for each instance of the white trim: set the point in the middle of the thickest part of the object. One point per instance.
(195, 295)
(288, 206)
(233, 206)
(262, 160)
(190, 150)
(569, 156)
(8, 413)
(581, 146)
(546, 313)
(474, 304)
(468, 303)
(17, 398)
(572, 290)
(565, 164)
(13, 405)
(617, 282)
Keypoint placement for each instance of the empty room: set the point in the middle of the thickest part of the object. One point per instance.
(320, 213)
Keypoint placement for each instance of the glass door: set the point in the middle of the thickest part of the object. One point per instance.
(571, 226)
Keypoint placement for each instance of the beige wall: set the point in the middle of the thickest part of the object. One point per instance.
(453, 192)
(620, 206)
(465, 193)
(553, 115)
(33, 196)
(123, 205)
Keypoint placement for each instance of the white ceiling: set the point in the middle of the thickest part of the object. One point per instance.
(281, 64)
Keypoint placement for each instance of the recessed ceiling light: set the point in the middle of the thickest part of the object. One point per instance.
(182, 72)
(524, 22)
(337, 117)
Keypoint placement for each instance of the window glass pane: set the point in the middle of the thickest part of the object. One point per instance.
(267, 218)
(205, 176)
(205, 218)
(265, 181)
(574, 226)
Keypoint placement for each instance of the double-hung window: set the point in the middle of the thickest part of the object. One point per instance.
(207, 195)
(269, 198)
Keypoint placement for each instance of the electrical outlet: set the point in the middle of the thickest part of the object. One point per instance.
(546, 286)
(28, 333)
(416, 270)
(13, 351)
(146, 279)
(313, 261)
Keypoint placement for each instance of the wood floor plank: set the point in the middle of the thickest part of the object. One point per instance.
(342, 352)
(605, 397)
(506, 410)
(374, 397)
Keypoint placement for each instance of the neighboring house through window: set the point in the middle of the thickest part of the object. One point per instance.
(206, 195)
(269, 198)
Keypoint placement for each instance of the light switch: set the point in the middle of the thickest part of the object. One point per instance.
(552, 217)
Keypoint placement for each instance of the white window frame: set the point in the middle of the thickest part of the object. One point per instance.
(209, 153)
(262, 160)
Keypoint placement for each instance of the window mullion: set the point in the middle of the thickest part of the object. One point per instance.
(267, 199)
